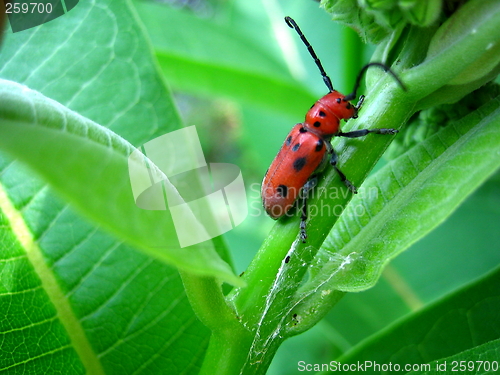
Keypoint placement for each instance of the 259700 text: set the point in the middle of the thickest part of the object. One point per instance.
(38, 8)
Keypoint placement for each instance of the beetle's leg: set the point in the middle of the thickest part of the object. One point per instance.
(363, 132)
(333, 162)
(358, 106)
(310, 184)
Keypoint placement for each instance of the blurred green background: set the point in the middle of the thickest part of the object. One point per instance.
(244, 79)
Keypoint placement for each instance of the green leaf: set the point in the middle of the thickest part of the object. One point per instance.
(43, 133)
(74, 298)
(96, 61)
(434, 266)
(462, 326)
(86, 304)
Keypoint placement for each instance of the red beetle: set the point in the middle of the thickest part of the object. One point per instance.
(307, 148)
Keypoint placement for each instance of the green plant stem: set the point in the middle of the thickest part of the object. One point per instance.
(229, 341)
(207, 301)
(227, 351)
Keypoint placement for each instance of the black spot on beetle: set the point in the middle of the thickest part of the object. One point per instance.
(348, 106)
(282, 190)
(339, 100)
(303, 130)
(299, 163)
(322, 114)
(319, 145)
(317, 124)
(296, 147)
(289, 140)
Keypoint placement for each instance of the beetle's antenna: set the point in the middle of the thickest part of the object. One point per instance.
(352, 95)
(328, 82)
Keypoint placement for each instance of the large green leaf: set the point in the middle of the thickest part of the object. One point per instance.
(74, 299)
(428, 269)
(84, 303)
(89, 165)
(96, 61)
